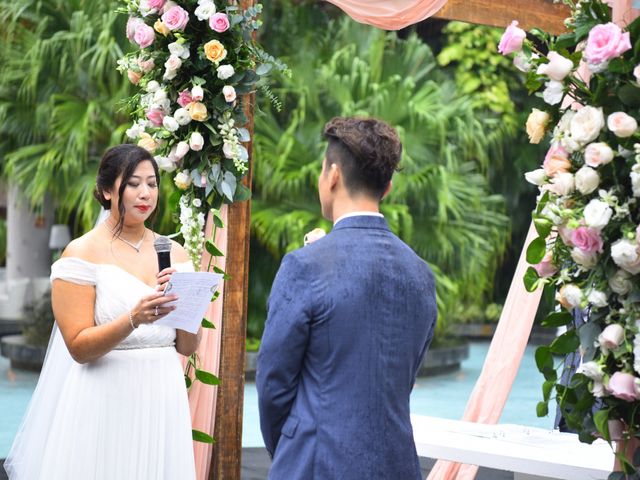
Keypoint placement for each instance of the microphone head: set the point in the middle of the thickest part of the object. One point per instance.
(162, 244)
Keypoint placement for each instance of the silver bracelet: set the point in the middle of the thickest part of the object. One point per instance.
(133, 326)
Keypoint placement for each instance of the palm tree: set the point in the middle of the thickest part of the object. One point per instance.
(60, 98)
(440, 203)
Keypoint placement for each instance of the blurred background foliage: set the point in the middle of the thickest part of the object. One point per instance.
(460, 200)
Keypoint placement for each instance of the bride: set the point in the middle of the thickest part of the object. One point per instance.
(111, 401)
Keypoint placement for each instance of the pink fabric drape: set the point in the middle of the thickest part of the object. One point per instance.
(501, 365)
(389, 14)
(202, 398)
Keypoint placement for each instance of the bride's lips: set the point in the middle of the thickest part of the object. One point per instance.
(143, 208)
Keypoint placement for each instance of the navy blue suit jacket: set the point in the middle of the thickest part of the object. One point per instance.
(350, 318)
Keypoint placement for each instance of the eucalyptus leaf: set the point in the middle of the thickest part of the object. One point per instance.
(264, 68)
(243, 135)
(588, 334)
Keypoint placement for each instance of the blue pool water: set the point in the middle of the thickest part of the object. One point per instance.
(442, 396)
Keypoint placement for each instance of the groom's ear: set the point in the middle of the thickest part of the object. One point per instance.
(334, 175)
(387, 190)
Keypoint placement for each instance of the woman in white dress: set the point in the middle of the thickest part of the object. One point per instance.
(111, 401)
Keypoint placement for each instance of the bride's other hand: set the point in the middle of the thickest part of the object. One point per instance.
(152, 307)
(163, 277)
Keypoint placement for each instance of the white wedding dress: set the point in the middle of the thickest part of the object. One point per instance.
(124, 416)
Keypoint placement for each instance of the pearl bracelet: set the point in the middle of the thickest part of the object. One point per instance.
(133, 326)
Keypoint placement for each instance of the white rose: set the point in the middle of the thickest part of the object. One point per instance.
(165, 163)
(225, 71)
(135, 131)
(634, 175)
(182, 116)
(624, 253)
(179, 50)
(587, 180)
(557, 68)
(553, 92)
(196, 141)
(598, 389)
(562, 184)
(536, 177)
(159, 96)
(621, 124)
(584, 259)
(591, 370)
(229, 150)
(170, 123)
(620, 282)
(611, 337)
(205, 10)
(182, 148)
(597, 214)
(597, 154)
(153, 86)
(586, 124)
(598, 299)
(197, 93)
(314, 235)
(169, 74)
(636, 73)
(182, 180)
(570, 296)
(229, 93)
(173, 62)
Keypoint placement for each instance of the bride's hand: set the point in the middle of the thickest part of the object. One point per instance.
(152, 307)
(163, 277)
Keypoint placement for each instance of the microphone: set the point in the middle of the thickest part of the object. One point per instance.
(163, 249)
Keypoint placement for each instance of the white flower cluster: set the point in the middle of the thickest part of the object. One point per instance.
(192, 228)
(231, 146)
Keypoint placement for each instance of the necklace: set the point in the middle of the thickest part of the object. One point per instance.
(135, 246)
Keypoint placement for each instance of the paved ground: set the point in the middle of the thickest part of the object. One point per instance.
(255, 465)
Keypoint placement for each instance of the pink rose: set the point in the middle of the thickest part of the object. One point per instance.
(606, 41)
(134, 77)
(157, 4)
(132, 24)
(546, 268)
(621, 124)
(219, 22)
(556, 161)
(229, 93)
(146, 65)
(175, 18)
(597, 154)
(185, 98)
(155, 116)
(565, 234)
(512, 39)
(144, 35)
(587, 239)
(611, 337)
(623, 385)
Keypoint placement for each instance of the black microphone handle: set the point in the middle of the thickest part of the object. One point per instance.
(164, 260)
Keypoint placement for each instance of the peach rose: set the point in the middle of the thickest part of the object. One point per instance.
(536, 125)
(161, 28)
(556, 161)
(147, 142)
(215, 51)
(198, 111)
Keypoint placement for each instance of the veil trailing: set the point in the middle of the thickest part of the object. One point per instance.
(25, 457)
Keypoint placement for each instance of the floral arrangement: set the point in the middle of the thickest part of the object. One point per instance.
(195, 65)
(195, 61)
(587, 215)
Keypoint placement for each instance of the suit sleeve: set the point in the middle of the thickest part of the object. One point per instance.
(283, 347)
(431, 314)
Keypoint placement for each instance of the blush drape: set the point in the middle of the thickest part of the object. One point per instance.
(389, 14)
(202, 398)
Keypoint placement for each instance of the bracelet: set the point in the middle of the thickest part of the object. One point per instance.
(133, 326)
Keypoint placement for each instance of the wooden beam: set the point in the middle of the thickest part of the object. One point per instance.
(227, 452)
(543, 14)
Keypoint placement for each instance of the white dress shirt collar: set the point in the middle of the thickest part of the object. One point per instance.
(358, 214)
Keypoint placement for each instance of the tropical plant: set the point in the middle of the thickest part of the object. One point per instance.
(440, 203)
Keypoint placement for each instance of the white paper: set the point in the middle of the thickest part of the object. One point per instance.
(194, 291)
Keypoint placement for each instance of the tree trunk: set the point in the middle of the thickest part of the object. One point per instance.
(28, 253)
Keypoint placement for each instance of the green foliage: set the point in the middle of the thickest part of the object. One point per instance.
(440, 203)
(38, 321)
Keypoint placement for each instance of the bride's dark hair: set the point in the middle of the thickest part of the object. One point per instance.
(121, 160)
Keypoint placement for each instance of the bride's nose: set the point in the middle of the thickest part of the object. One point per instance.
(145, 191)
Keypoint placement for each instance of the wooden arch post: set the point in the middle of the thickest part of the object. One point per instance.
(227, 452)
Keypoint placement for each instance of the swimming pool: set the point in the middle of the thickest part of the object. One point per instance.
(442, 396)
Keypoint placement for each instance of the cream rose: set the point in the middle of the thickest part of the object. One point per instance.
(557, 68)
(597, 154)
(314, 235)
(198, 111)
(182, 148)
(586, 124)
(624, 253)
(585, 259)
(597, 214)
(147, 142)
(229, 93)
(182, 180)
(587, 180)
(621, 124)
(598, 299)
(165, 163)
(611, 337)
(225, 71)
(196, 141)
(569, 296)
(562, 184)
(536, 124)
(620, 282)
(536, 177)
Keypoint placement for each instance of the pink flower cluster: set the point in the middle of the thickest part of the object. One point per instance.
(606, 42)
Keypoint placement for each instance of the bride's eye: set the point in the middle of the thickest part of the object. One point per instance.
(133, 184)
(153, 185)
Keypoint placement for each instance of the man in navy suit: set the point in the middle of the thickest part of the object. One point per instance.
(350, 318)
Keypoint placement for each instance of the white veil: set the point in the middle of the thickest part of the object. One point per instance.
(25, 457)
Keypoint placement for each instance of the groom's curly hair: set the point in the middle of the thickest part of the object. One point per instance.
(367, 150)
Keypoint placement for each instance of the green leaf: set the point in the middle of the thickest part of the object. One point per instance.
(542, 409)
(217, 219)
(212, 249)
(207, 324)
(187, 381)
(566, 343)
(544, 358)
(629, 95)
(531, 279)
(543, 226)
(547, 388)
(557, 319)
(242, 193)
(601, 419)
(202, 437)
(536, 250)
(207, 377)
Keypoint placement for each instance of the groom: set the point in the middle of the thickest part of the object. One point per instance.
(349, 320)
